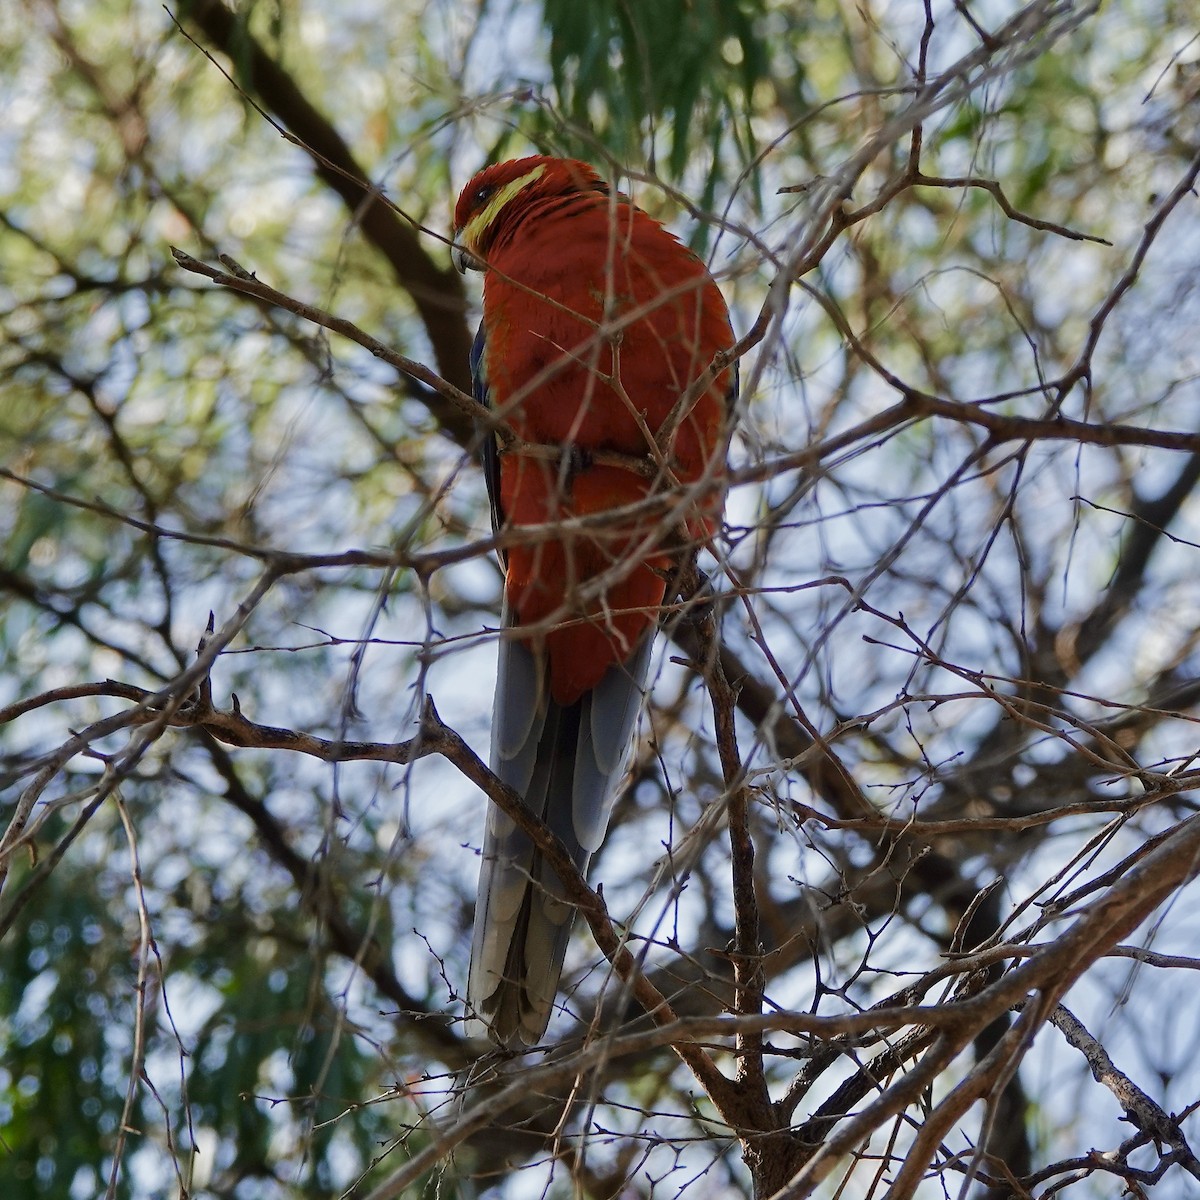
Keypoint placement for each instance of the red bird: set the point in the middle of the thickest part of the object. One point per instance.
(595, 322)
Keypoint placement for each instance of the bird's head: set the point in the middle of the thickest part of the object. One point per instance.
(499, 194)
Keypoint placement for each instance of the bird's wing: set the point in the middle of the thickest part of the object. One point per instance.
(489, 451)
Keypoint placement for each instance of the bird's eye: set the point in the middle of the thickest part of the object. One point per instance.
(484, 192)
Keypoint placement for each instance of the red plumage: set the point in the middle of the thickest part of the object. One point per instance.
(596, 320)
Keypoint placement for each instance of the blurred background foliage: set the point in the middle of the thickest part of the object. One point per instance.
(299, 1002)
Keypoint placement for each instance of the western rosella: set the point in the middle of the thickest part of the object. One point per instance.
(595, 322)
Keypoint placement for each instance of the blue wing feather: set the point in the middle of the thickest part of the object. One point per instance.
(489, 454)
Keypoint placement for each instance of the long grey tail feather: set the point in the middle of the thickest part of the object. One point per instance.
(564, 761)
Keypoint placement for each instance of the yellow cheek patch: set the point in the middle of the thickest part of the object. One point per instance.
(473, 229)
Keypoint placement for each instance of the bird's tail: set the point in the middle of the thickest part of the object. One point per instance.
(564, 760)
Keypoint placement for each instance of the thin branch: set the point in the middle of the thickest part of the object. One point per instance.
(1147, 1116)
(242, 281)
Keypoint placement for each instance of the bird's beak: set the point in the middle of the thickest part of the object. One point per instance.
(464, 260)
